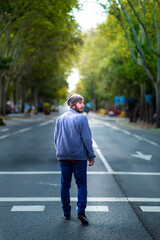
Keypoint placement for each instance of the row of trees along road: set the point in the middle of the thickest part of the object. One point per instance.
(122, 56)
(38, 40)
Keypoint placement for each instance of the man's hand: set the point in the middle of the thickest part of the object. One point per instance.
(91, 163)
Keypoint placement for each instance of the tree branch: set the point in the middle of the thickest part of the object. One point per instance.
(158, 3)
(119, 18)
(144, 28)
(138, 46)
(147, 68)
(156, 26)
(13, 19)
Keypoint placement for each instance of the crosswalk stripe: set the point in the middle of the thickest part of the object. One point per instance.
(150, 208)
(40, 208)
(27, 208)
(97, 209)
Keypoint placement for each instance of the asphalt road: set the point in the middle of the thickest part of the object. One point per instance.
(123, 185)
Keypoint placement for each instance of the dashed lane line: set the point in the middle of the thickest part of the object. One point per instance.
(151, 142)
(5, 130)
(45, 123)
(24, 130)
(115, 128)
(21, 131)
(138, 137)
(129, 133)
(126, 132)
(5, 136)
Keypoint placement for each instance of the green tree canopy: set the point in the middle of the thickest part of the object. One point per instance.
(38, 45)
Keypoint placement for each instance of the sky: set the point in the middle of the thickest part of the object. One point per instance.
(90, 15)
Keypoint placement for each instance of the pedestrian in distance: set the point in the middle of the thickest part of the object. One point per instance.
(73, 143)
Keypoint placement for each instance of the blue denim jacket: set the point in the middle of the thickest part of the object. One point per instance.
(72, 137)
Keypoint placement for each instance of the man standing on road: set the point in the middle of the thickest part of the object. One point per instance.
(73, 143)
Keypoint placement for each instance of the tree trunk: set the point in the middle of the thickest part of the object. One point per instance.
(36, 98)
(2, 95)
(22, 94)
(157, 89)
(146, 117)
(142, 106)
(94, 97)
(16, 94)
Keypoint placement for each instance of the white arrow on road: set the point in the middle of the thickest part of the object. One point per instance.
(142, 156)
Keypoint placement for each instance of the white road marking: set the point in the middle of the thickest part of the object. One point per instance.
(106, 164)
(130, 199)
(29, 172)
(97, 209)
(98, 173)
(89, 173)
(94, 144)
(138, 137)
(5, 136)
(137, 173)
(15, 133)
(45, 123)
(30, 199)
(24, 130)
(150, 208)
(50, 184)
(126, 132)
(151, 142)
(142, 156)
(27, 209)
(5, 130)
(107, 124)
(115, 128)
(74, 199)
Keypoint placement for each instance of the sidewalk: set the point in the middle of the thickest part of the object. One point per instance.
(107, 118)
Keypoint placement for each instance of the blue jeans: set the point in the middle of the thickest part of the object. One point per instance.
(79, 168)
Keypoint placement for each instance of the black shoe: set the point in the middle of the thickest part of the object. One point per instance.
(82, 217)
(66, 216)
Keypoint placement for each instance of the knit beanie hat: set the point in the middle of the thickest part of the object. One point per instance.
(74, 99)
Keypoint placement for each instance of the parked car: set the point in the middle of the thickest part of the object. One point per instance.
(113, 112)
